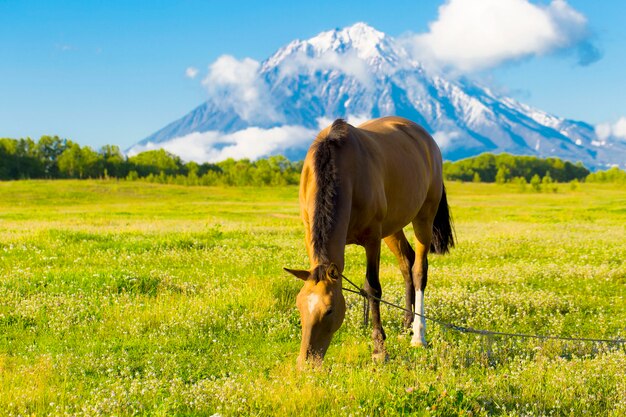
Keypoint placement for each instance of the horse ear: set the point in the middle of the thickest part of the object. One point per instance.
(332, 272)
(299, 273)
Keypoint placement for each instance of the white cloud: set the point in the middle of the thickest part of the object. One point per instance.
(616, 130)
(444, 138)
(604, 130)
(353, 119)
(191, 72)
(323, 122)
(477, 34)
(619, 128)
(251, 143)
(348, 62)
(357, 119)
(238, 84)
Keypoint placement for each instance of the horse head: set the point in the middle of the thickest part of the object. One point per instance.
(322, 310)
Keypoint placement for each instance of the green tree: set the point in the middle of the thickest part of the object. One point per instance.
(18, 159)
(262, 174)
(535, 182)
(156, 162)
(115, 163)
(8, 158)
(77, 162)
(503, 175)
(69, 162)
(547, 183)
(614, 175)
(49, 149)
(91, 163)
(503, 167)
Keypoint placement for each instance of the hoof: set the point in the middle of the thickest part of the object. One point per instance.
(380, 357)
(419, 343)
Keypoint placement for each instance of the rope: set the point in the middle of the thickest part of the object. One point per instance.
(465, 329)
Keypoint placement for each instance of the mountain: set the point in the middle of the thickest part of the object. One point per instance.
(358, 73)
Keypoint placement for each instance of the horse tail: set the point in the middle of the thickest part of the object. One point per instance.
(443, 230)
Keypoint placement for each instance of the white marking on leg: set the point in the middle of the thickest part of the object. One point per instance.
(312, 299)
(419, 324)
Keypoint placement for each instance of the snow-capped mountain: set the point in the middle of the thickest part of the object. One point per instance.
(278, 106)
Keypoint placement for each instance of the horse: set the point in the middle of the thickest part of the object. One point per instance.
(361, 185)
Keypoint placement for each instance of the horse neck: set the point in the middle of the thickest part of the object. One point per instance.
(327, 187)
(333, 251)
(335, 256)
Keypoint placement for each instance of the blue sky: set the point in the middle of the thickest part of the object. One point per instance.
(113, 72)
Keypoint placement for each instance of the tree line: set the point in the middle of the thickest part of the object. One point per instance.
(505, 167)
(53, 157)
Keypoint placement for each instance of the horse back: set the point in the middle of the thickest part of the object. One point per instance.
(400, 174)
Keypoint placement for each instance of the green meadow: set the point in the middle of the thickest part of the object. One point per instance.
(131, 298)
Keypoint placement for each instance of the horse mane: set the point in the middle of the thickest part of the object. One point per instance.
(327, 184)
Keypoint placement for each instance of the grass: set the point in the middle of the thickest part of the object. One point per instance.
(124, 298)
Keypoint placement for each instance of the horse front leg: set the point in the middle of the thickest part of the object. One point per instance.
(423, 234)
(373, 288)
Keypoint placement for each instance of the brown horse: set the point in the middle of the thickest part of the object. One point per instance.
(362, 185)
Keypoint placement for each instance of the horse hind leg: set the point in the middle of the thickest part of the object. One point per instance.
(399, 245)
(423, 235)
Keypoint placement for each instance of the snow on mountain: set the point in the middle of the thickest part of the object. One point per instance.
(358, 73)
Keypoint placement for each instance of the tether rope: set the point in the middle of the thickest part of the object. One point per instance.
(466, 329)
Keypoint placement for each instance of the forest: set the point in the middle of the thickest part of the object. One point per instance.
(52, 157)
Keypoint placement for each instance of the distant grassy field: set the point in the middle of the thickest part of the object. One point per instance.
(124, 298)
